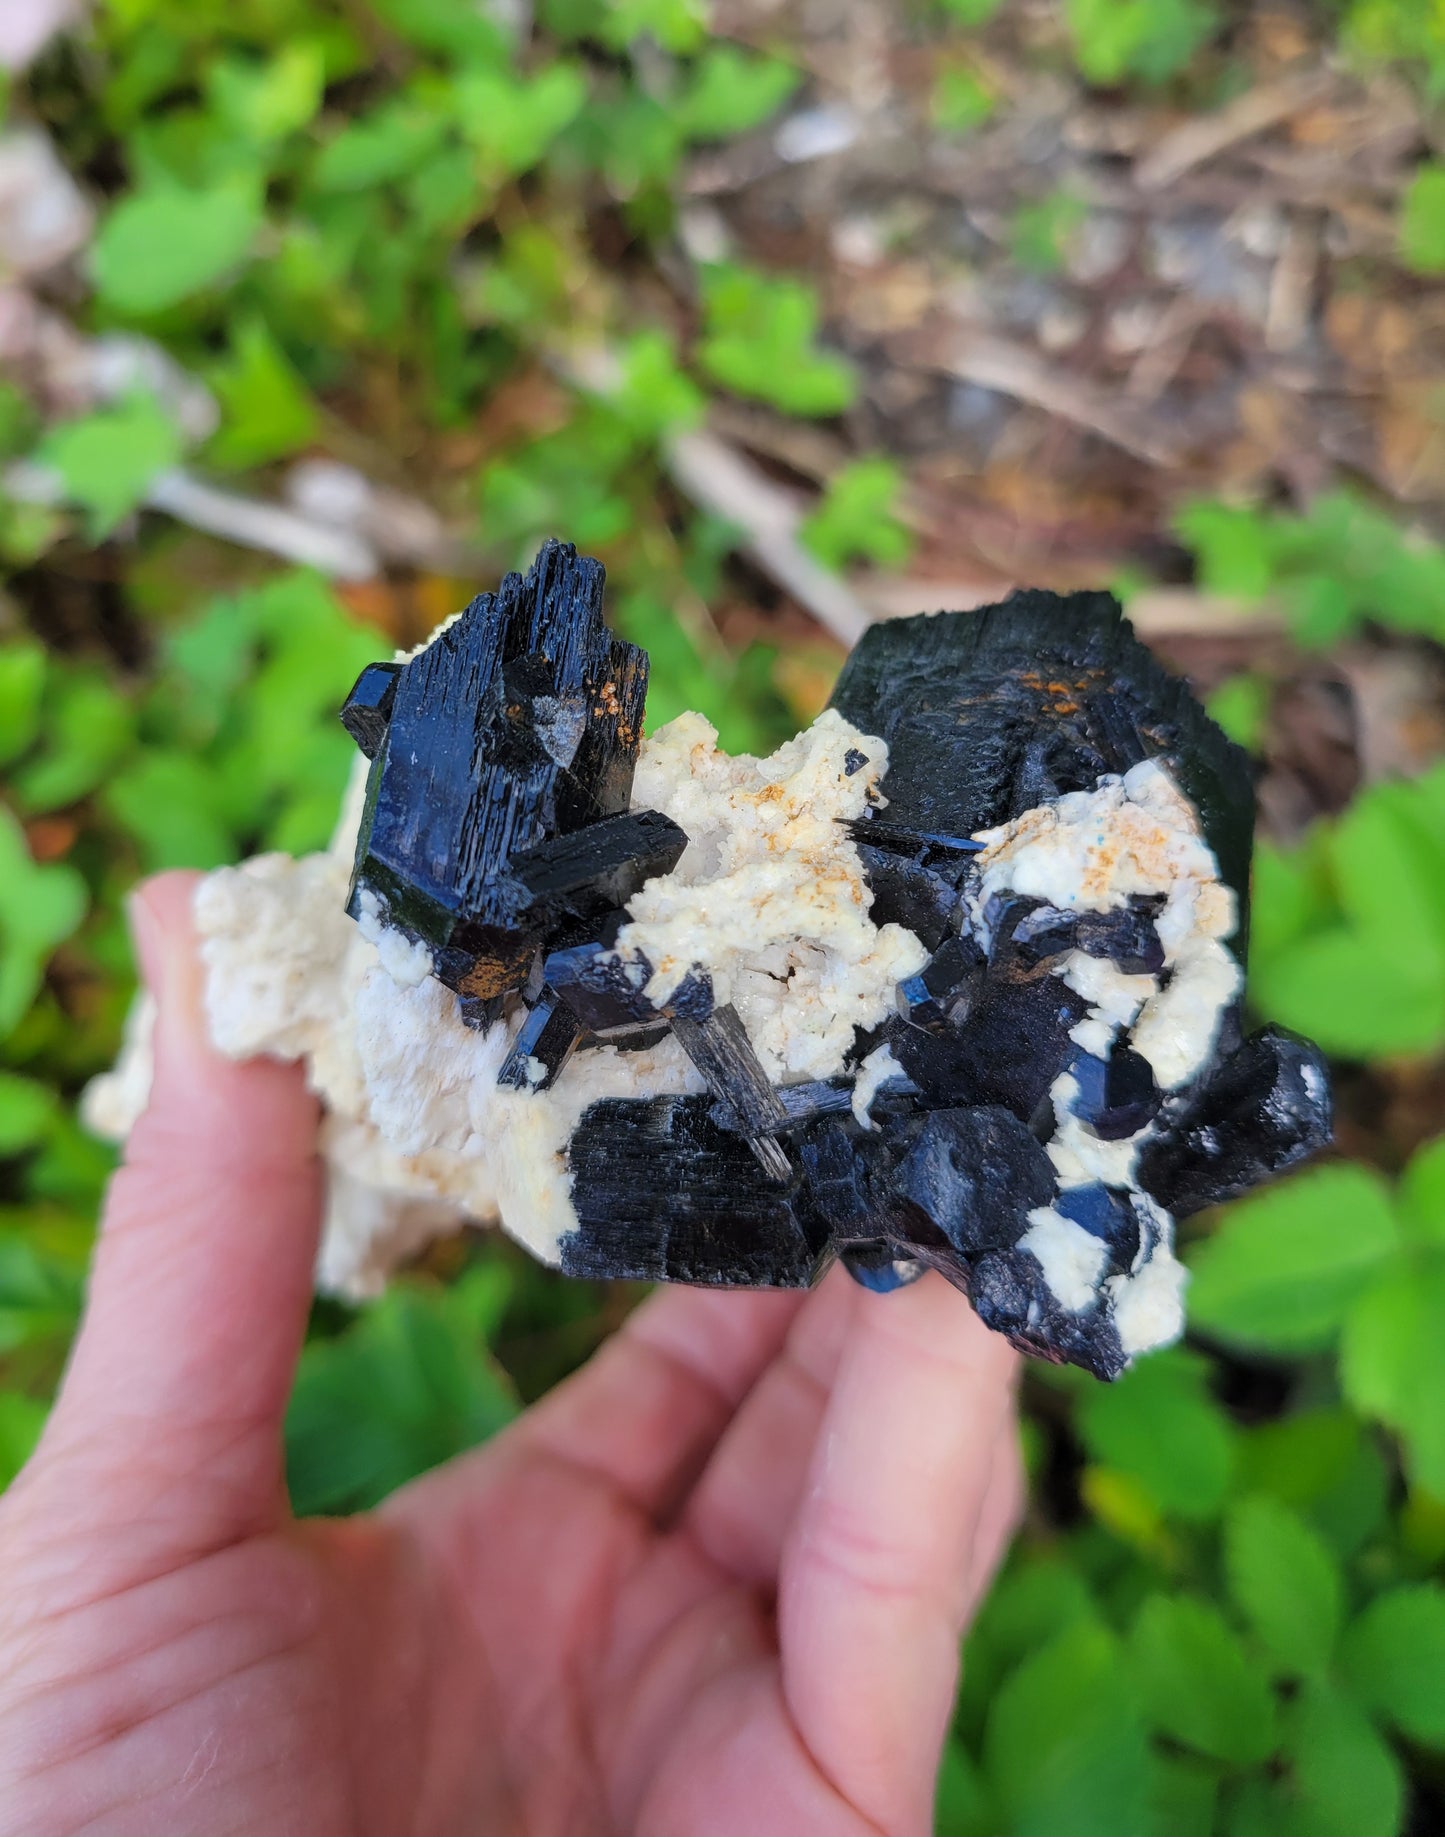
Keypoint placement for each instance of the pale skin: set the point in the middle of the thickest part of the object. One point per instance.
(713, 1583)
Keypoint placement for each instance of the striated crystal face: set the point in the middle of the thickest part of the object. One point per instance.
(955, 976)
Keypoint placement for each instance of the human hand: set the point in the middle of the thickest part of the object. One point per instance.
(714, 1582)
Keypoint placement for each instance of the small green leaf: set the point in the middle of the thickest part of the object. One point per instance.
(1234, 553)
(1284, 1581)
(1282, 1269)
(107, 460)
(1159, 1424)
(1345, 1780)
(22, 684)
(161, 246)
(759, 341)
(511, 120)
(732, 91)
(406, 1387)
(21, 1420)
(1392, 1362)
(961, 100)
(1420, 1196)
(267, 412)
(171, 803)
(857, 518)
(1422, 221)
(378, 147)
(1196, 1683)
(1394, 1658)
(1040, 233)
(268, 100)
(26, 1107)
(39, 907)
(1241, 706)
(1065, 1749)
(87, 728)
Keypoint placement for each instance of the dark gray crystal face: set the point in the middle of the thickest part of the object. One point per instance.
(516, 727)
(497, 829)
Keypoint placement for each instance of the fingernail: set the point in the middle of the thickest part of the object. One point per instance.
(172, 973)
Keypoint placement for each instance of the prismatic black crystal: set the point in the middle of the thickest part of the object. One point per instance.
(1061, 828)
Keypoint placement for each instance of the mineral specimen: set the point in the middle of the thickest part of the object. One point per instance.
(950, 981)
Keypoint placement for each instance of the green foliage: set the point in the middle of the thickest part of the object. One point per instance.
(758, 341)
(1159, 1425)
(106, 460)
(1282, 1270)
(1149, 39)
(409, 1384)
(39, 907)
(266, 408)
(1285, 1583)
(375, 231)
(1241, 707)
(961, 100)
(162, 246)
(1197, 1683)
(1351, 943)
(1341, 564)
(1394, 1658)
(1040, 232)
(857, 519)
(1422, 221)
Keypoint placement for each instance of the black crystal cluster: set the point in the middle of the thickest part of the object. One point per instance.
(497, 831)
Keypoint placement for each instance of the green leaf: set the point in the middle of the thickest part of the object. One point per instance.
(164, 245)
(1185, 1797)
(1065, 1749)
(1420, 1196)
(1196, 1683)
(1324, 1464)
(406, 1387)
(1282, 1269)
(1159, 1424)
(1422, 221)
(1357, 999)
(1233, 549)
(1346, 1781)
(759, 342)
(961, 1805)
(1151, 39)
(1285, 1582)
(26, 1107)
(266, 101)
(732, 91)
(1393, 1656)
(171, 803)
(512, 120)
(1392, 1362)
(961, 100)
(39, 907)
(22, 684)
(1241, 707)
(107, 460)
(87, 728)
(21, 1420)
(266, 410)
(1040, 233)
(376, 148)
(857, 518)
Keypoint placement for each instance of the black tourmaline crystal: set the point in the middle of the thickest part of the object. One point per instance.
(497, 831)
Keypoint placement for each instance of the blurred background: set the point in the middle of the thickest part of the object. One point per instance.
(317, 315)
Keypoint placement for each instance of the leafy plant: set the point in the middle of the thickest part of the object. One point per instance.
(1149, 39)
(858, 518)
(759, 340)
(1422, 221)
(1341, 564)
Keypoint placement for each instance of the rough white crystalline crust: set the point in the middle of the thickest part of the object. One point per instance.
(769, 896)
(1091, 851)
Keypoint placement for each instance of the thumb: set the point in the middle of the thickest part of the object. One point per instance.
(202, 1276)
